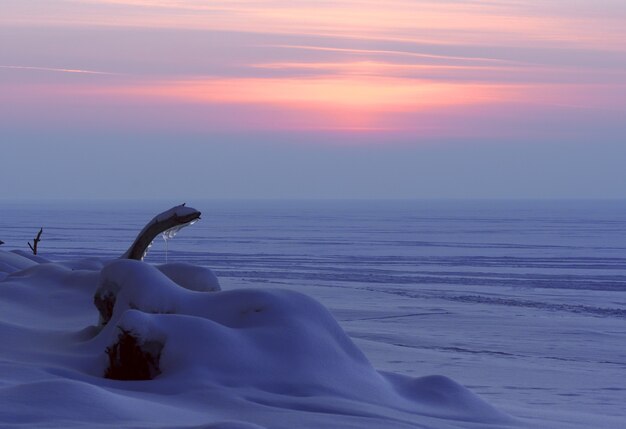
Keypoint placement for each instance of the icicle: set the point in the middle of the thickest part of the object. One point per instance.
(146, 251)
(178, 215)
(165, 238)
(171, 233)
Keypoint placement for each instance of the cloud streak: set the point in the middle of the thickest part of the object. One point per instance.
(58, 70)
(353, 65)
(394, 53)
(522, 23)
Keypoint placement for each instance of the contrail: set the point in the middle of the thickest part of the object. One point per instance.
(59, 70)
(394, 52)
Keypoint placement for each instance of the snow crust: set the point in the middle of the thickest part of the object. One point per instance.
(234, 359)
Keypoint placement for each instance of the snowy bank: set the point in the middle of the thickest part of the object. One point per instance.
(235, 359)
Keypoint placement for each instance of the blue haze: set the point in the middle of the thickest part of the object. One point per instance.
(559, 244)
(524, 302)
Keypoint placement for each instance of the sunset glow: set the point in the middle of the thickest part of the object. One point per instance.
(316, 74)
(357, 59)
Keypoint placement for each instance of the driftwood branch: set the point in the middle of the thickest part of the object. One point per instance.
(36, 241)
(178, 216)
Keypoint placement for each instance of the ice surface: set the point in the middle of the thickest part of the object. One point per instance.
(522, 304)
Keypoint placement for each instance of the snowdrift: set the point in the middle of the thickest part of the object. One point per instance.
(235, 359)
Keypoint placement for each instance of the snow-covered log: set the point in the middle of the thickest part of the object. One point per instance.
(170, 220)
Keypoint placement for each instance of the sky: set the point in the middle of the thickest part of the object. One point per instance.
(312, 99)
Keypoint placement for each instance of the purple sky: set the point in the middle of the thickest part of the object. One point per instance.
(312, 99)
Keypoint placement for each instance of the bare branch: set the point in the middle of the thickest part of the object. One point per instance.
(36, 241)
(175, 217)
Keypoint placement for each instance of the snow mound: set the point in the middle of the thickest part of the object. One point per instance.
(29, 255)
(277, 340)
(192, 277)
(231, 425)
(236, 359)
(11, 262)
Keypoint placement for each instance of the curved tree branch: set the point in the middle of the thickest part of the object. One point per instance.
(178, 216)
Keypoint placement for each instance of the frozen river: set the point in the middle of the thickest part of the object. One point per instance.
(524, 302)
